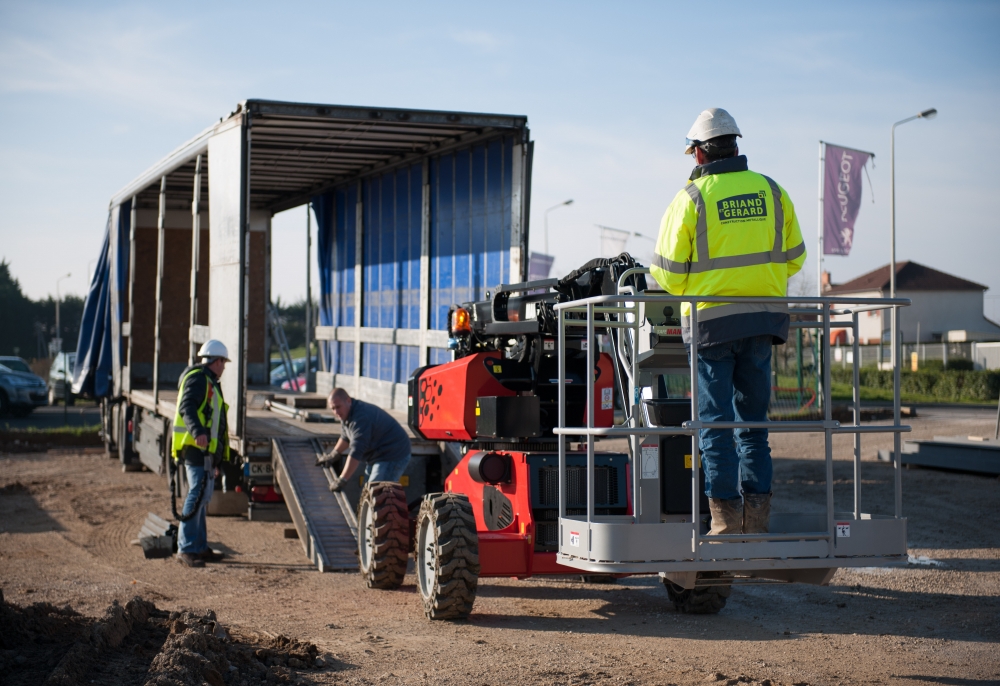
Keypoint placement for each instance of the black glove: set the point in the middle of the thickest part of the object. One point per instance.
(337, 485)
(328, 459)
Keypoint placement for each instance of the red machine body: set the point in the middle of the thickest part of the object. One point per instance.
(443, 397)
(505, 511)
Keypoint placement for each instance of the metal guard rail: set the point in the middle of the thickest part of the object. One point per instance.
(626, 304)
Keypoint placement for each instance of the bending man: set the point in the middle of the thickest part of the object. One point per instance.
(369, 435)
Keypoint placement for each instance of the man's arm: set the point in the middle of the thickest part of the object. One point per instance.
(194, 393)
(795, 247)
(675, 245)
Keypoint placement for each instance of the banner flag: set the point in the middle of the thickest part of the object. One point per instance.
(841, 197)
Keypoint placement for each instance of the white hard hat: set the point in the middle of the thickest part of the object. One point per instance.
(710, 124)
(213, 349)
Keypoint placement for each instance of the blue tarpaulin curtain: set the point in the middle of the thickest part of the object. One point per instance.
(92, 371)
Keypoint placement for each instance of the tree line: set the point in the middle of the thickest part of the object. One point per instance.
(27, 326)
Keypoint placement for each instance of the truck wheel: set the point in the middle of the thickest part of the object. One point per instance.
(447, 556)
(706, 600)
(383, 534)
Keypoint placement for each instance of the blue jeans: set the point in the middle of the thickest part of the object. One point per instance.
(192, 536)
(734, 384)
(386, 470)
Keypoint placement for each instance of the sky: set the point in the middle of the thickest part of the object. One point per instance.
(91, 94)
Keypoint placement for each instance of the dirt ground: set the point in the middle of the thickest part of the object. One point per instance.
(67, 520)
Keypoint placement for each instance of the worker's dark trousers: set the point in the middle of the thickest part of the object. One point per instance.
(734, 384)
(193, 536)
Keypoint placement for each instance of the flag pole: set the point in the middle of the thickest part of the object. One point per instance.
(819, 223)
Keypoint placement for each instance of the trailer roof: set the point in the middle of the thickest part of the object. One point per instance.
(300, 149)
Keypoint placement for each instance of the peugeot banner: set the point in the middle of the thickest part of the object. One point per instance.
(841, 197)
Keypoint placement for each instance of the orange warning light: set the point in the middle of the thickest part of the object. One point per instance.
(460, 320)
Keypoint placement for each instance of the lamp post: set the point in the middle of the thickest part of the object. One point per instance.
(926, 114)
(554, 207)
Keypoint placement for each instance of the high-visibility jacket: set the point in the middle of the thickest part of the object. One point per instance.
(209, 413)
(730, 232)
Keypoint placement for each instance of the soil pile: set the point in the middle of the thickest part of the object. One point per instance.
(139, 644)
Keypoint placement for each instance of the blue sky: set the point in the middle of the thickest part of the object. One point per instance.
(92, 94)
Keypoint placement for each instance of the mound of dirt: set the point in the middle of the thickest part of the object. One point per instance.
(140, 644)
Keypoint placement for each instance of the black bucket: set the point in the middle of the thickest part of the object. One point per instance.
(669, 411)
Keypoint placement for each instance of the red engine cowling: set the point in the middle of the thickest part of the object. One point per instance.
(442, 398)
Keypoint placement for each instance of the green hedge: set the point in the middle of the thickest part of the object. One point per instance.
(950, 385)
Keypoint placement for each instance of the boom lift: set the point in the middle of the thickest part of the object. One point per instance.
(531, 376)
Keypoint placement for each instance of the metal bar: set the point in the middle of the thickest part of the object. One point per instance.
(896, 453)
(795, 536)
(195, 257)
(827, 434)
(131, 289)
(359, 282)
(244, 306)
(423, 354)
(310, 376)
(562, 419)
(695, 454)
(157, 326)
(591, 490)
(601, 325)
(579, 305)
(819, 221)
(857, 418)
(776, 427)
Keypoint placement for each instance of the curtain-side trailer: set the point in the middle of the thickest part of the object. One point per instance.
(415, 210)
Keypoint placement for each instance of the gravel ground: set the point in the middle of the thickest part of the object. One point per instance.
(67, 522)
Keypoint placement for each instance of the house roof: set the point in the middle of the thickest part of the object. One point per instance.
(910, 276)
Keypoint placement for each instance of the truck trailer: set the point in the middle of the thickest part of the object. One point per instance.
(414, 210)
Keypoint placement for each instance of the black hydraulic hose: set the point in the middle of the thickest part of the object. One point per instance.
(173, 493)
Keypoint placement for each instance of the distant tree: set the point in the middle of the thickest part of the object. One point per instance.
(293, 321)
(28, 326)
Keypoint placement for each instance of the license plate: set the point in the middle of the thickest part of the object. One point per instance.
(260, 469)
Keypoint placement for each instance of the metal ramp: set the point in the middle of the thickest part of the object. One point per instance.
(325, 521)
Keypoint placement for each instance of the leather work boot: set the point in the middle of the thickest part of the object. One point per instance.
(210, 555)
(756, 513)
(727, 516)
(190, 560)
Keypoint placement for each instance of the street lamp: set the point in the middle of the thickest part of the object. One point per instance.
(926, 114)
(554, 207)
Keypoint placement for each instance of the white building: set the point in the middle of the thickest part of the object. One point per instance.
(944, 308)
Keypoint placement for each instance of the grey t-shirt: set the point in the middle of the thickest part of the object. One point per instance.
(374, 435)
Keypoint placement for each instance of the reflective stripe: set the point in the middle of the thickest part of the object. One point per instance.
(798, 250)
(180, 429)
(779, 219)
(671, 266)
(709, 313)
(701, 229)
(216, 418)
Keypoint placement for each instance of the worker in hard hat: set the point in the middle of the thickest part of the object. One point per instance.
(200, 444)
(731, 232)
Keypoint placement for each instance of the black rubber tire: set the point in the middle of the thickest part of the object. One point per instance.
(71, 399)
(383, 534)
(4, 404)
(126, 454)
(706, 600)
(599, 579)
(447, 556)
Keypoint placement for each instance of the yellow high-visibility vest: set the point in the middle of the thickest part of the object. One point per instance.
(210, 413)
(729, 234)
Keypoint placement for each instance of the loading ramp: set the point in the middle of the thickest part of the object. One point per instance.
(325, 521)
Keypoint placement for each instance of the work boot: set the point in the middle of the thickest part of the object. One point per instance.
(190, 559)
(210, 555)
(727, 516)
(756, 513)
